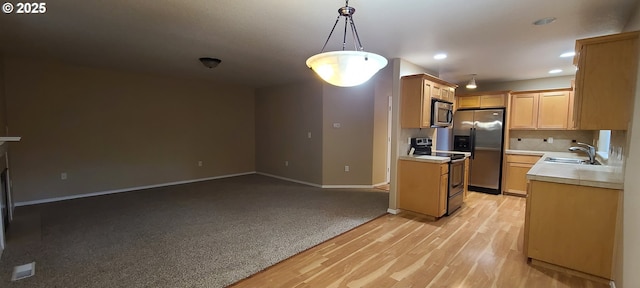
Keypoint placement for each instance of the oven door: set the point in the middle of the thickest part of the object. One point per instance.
(441, 113)
(456, 177)
(456, 186)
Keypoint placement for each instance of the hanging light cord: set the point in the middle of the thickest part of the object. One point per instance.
(347, 12)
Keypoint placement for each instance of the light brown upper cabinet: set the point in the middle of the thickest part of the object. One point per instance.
(540, 110)
(447, 93)
(524, 111)
(553, 110)
(605, 81)
(571, 124)
(417, 91)
(486, 100)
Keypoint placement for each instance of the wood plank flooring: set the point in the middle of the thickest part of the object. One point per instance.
(478, 246)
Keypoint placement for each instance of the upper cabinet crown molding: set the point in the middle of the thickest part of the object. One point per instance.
(432, 79)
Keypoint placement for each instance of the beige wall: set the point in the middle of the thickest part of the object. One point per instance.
(383, 90)
(3, 116)
(534, 139)
(351, 144)
(520, 85)
(3, 147)
(3, 110)
(111, 130)
(399, 136)
(631, 249)
(284, 116)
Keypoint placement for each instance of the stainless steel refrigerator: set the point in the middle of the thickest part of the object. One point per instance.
(481, 132)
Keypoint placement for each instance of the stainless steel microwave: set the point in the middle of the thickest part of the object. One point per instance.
(441, 113)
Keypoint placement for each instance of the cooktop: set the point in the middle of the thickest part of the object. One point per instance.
(453, 156)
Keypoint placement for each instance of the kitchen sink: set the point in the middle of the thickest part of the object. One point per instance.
(569, 161)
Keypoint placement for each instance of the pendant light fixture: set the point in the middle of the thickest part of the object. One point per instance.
(472, 82)
(346, 68)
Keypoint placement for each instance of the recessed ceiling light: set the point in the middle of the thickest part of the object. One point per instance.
(568, 54)
(544, 21)
(555, 71)
(440, 56)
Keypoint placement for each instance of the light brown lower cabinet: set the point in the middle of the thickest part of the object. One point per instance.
(422, 187)
(516, 169)
(572, 226)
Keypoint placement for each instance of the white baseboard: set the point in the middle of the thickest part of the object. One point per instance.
(289, 179)
(380, 184)
(612, 284)
(318, 185)
(347, 186)
(48, 200)
(394, 211)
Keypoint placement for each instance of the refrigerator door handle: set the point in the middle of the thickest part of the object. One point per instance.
(473, 142)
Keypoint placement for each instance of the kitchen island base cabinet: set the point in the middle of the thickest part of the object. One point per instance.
(422, 187)
(572, 226)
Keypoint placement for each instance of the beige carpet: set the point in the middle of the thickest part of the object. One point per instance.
(206, 234)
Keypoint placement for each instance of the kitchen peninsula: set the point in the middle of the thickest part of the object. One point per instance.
(571, 218)
(426, 183)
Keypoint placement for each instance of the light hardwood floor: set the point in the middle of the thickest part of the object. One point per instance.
(478, 246)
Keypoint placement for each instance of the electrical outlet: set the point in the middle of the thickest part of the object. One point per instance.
(337, 125)
(286, 163)
(199, 163)
(550, 140)
(346, 168)
(309, 135)
(63, 176)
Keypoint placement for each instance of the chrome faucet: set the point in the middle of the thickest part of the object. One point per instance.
(590, 150)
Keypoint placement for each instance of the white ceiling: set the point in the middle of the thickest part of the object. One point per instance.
(266, 42)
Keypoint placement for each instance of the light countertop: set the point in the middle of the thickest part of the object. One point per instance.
(433, 159)
(524, 152)
(426, 158)
(602, 176)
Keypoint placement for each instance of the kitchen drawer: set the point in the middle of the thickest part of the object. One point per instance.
(529, 159)
(444, 169)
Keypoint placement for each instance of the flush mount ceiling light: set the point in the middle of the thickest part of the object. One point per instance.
(440, 56)
(210, 62)
(346, 68)
(472, 82)
(544, 21)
